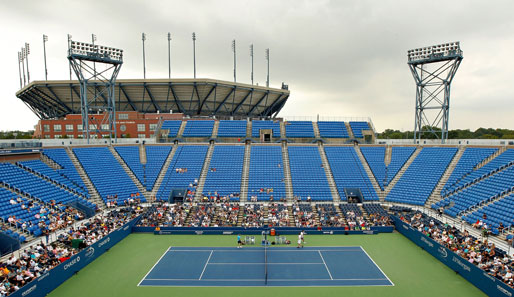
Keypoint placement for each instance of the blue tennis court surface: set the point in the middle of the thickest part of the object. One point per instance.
(286, 266)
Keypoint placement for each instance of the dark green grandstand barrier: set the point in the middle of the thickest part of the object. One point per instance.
(254, 231)
(478, 277)
(47, 282)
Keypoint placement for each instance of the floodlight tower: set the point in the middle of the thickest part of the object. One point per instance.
(96, 88)
(433, 69)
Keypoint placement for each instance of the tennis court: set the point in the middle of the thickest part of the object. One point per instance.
(259, 266)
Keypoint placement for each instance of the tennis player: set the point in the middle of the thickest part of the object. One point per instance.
(239, 243)
(300, 241)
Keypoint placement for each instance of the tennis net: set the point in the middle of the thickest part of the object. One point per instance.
(265, 260)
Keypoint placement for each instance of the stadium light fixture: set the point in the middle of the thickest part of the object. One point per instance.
(435, 52)
(267, 59)
(23, 55)
(19, 69)
(27, 52)
(251, 55)
(194, 55)
(169, 55)
(143, 38)
(234, 51)
(95, 53)
(45, 39)
(69, 43)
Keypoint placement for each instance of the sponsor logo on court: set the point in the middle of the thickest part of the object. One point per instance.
(199, 232)
(442, 251)
(71, 263)
(43, 276)
(90, 251)
(103, 242)
(503, 290)
(426, 241)
(126, 228)
(227, 232)
(29, 290)
(461, 264)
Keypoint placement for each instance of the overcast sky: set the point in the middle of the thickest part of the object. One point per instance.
(340, 58)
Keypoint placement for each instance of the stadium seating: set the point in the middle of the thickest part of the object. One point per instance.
(358, 127)
(36, 187)
(377, 209)
(498, 212)
(172, 126)
(307, 174)
(23, 215)
(42, 168)
(332, 130)
(300, 129)
(504, 159)
(188, 157)
(106, 173)
(257, 126)
(399, 155)
(496, 184)
(348, 171)
(232, 129)
(266, 172)
(155, 158)
(196, 128)
(375, 156)
(225, 171)
(68, 170)
(420, 179)
(346, 208)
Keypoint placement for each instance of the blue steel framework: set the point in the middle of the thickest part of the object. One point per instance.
(431, 85)
(82, 58)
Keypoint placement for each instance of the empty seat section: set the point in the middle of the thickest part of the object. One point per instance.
(300, 129)
(232, 129)
(67, 170)
(375, 157)
(332, 130)
(307, 174)
(266, 175)
(225, 171)
(358, 127)
(106, 173)
(42, 168)
(198, 128)
(469, 159)
(155, 158)
(185, 168)
(130, 155)
(399, 156)
(502, 160)
(36, 187)
(172, 126)
(348, 171)
(498, 212)
(420, 179)
(257, 126)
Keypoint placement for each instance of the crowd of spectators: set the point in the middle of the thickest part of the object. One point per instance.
(278, 215)
(166, 215)
(227, 214)
(481, 253)
(202, 215)
(253, 216)
(303, 215)
(39, 258)
(328, 216)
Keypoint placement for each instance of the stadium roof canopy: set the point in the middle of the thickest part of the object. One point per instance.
(193, 97)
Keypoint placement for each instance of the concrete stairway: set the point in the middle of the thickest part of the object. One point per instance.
(328, 173)
(282, 130)
(142, 154)
(287, 174)
(369, 172)
(484, 204)
(291, 217)
(249, 129)
(388, 155)
(316, 130)
(215, 129)
(49, 162)
(181, 129)
(243, 194)
(94, 196)
(393, 182)
(162, 173)
(349, 129)
(436, 193)
(491, 157)
(203, 174)
(129, 172)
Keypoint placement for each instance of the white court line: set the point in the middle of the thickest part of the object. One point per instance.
(377, 266)
(254, 250)
(262, 263)
(260, 279)
(205, 266)
(330, 274)
(153, 266)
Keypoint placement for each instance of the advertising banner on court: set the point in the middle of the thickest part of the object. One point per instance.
(47, 282)
(478, 277)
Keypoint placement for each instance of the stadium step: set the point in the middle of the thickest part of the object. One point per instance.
(291, 216)
(282, 130)
(129, 172)
(215, 129)
(287, 174)
(436, 193)
(93, 192)
(162, 173)
(388, 155)
(249, 129)
(500, 151)
(316, 130)
(203, 174)
(142, 154)
(397, 177)
(349, 129)
(328, 172)
(369, 172)
(181, 129)
(484, 204)
(243, 197)
(51, 163)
